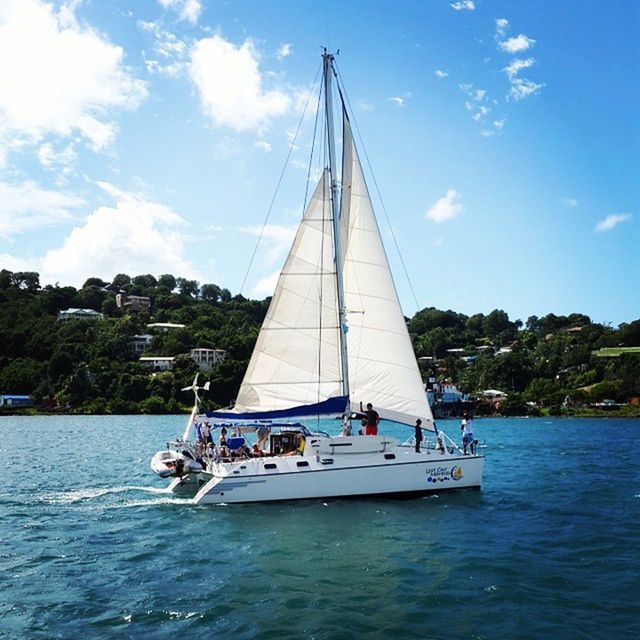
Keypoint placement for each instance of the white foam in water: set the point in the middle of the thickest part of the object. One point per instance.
(150, 503)
(69, 497)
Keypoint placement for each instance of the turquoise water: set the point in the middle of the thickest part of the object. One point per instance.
(91, 546)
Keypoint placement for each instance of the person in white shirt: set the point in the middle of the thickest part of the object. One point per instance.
(466, 427)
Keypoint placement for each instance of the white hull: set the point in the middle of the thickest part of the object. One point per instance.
(339, 475)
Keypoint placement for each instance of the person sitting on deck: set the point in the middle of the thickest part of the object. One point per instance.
(256, 452)
(299, 450)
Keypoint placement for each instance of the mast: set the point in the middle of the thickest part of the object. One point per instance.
(335, 199)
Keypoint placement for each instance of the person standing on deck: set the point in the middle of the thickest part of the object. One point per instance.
(372, 419)
(466, 425)
(418, 437)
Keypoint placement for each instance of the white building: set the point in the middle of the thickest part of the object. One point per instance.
(206, 359)
(133, 303)
(139, 344)
(157, 363)
(79, 314)
(165, 326)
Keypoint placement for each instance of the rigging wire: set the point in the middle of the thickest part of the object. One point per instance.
(275, 195)
(343, 93)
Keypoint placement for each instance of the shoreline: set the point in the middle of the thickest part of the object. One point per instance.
(632, 413)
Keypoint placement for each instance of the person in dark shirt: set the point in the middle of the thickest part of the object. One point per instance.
(418, 435)
(372, 419)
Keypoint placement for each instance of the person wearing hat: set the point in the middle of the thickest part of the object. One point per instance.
(466, 426)
(418, 435)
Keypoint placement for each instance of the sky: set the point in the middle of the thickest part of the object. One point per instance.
(149, 136)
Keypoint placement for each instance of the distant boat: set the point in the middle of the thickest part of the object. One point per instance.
(334, 337)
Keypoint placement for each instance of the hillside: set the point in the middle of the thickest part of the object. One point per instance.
(88, 366)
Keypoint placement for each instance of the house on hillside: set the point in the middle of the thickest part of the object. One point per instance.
(10, 400)
(132, 304)
(206, 359)
(157, 363)
(79, 314)
(139, 344)
(164, 327)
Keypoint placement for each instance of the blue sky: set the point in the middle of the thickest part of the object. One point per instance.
(148, 137)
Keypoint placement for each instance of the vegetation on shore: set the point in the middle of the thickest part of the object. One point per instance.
(545, 365)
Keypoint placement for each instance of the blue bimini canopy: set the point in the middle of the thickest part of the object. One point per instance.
(331, 406)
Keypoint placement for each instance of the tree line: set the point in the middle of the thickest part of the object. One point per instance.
(89, 367)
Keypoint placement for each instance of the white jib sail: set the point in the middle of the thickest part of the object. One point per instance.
(382, 365)
(296, 360)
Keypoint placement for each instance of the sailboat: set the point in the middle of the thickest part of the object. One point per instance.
(334, 337)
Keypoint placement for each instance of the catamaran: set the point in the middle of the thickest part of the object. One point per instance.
(334, 337)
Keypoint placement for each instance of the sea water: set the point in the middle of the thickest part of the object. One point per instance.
(92, 546)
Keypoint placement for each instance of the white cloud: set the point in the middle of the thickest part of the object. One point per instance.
(517, 64)
(499, 124)
(266, 286)
(284, 50)
(501, 26)
(463, 5)
(612, 221)
(230, 85)
(397, 100)
(136, 235)
(278, 237)
(53, 159)
(570, 203)
(27, 207)
(440, 73)
(517, 44)
(171, 52)
(446, 208)
(522, 88)
(14, 263)
(188, 10)
(59, 76)
(477, 96)
(263, 145)
(364, 105)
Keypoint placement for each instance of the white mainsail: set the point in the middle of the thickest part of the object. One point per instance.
(296, 360)
(382, 365)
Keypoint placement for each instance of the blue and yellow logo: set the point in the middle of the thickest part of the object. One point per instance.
(444, 474)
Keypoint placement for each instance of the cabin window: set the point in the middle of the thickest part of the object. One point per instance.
(389, 456)
(302, 463)
(327, 461)
(270, 465)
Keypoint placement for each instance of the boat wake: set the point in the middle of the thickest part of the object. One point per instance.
(81, 495)
(150, 503)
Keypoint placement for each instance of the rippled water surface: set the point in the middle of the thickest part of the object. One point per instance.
(91, 546)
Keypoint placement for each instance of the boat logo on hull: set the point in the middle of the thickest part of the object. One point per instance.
(444, 474)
